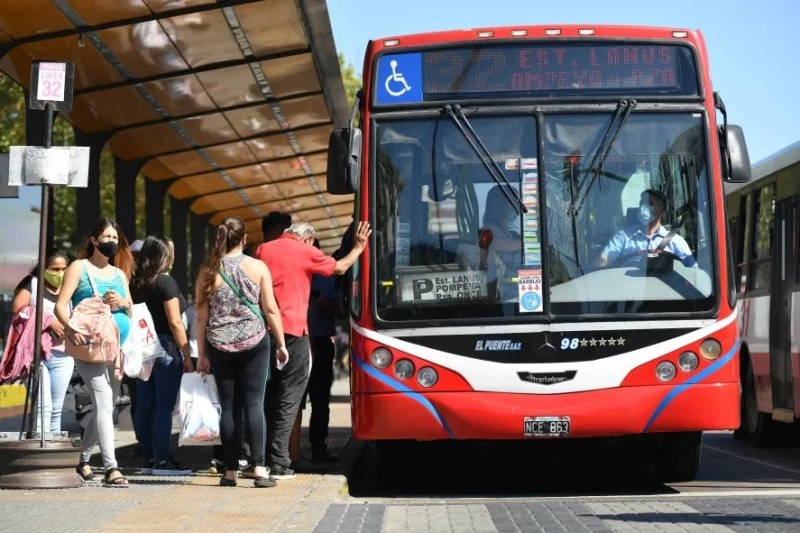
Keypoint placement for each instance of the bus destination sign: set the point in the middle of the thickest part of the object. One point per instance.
(536, 69)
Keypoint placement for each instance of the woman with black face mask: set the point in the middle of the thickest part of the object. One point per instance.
(105, 262)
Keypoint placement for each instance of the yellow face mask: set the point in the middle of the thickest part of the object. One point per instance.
(54, 279)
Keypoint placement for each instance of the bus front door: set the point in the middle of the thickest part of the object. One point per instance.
(782, 284)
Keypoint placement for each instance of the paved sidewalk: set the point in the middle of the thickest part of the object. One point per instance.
(193, 503)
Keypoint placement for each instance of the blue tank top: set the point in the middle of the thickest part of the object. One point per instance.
(115, 283)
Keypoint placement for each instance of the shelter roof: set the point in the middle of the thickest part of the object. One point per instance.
(231, 101)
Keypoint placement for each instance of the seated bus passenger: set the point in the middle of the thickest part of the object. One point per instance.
(646, 236)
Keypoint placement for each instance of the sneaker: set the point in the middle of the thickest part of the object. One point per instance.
(147, 468)
(217, 467)
(170, 468)
(303, 466)
(265, 482)
(282, 473)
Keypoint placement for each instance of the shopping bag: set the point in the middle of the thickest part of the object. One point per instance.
(143, 338)
(131, 359)
(199, 410)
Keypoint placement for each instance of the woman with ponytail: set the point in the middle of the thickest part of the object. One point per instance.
(233, 292)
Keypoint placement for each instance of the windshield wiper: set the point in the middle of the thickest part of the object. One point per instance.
(624, 108)
(457, 116)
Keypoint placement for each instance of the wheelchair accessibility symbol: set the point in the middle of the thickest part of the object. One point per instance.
(394, 79)
(402, 79)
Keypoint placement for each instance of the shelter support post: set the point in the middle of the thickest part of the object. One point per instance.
(212, 237)
(179, 214)
(154, 194)
(87, 206)
(125, 174)
(198, 236)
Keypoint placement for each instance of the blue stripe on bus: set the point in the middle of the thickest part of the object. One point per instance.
(719, 363)
(416, 396)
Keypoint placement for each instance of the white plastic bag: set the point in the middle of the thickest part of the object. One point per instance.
(131, 359)
(147, 370)
(199, 410)
(142, 338)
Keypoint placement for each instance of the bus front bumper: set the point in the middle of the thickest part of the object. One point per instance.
(491, 415)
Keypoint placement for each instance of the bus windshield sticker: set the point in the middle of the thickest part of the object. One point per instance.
(530, 220)
(421, 285)
(530, 291)
(402, 246)
(399, 79)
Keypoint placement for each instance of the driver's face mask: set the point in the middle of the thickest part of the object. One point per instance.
(647, 213)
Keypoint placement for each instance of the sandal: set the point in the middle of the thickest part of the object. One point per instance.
(81, 471)
(119, 481)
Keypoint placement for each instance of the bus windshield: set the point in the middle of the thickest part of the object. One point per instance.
(617, 218)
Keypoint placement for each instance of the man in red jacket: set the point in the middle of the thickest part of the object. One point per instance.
(292, 261)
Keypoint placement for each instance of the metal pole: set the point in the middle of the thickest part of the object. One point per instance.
(40, 288)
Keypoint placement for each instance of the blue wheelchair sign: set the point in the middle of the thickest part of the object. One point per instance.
(399, 79)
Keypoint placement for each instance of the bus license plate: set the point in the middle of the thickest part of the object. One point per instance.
(546, 426)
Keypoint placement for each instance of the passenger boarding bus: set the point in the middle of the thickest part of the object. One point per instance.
(549, 256)
(764, 218)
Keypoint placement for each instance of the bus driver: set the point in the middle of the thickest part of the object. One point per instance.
(648, 235)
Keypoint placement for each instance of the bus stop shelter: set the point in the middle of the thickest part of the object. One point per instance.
(224, 107)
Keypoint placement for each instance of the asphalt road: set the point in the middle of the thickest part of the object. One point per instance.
(570, 486)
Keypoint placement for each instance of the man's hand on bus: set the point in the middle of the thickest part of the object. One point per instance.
(362, 234)
(359, 244)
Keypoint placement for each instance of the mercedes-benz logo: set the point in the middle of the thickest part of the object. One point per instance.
(546, 349)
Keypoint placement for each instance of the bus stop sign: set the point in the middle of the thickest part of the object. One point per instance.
(52, 82)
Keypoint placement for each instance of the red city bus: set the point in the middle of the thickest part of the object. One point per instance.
(764, 218)
(549, 256)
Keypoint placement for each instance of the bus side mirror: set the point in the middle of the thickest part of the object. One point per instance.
(735, 159)
(344, 160)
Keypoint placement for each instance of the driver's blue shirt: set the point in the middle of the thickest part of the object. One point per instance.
(631, 240)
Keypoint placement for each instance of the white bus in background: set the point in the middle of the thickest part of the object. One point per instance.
(764, 218)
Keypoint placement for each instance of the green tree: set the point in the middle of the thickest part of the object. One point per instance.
(352, 82)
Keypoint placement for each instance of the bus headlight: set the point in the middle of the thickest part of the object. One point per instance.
(688, 361)
(427, 376)
(381, 358)
(665, 371)
(404, 369)
(710, 349)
